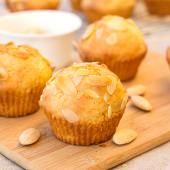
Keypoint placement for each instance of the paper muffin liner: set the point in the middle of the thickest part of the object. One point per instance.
(125, 70)
(17, 104)
(81, 133)
(161, 7)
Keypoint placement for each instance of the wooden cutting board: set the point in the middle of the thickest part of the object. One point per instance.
(153, 129)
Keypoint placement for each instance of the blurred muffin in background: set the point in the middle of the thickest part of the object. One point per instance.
(21, 5)
(23, 75)
(168, 55)
(76, 4)
(160, 7)
(96, 9)
(116, 42)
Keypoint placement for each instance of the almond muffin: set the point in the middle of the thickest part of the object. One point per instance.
(116, 42)
(160, 7)
(84, 103)
(96, 9)
(23, 75)
(76, 4)
(21, 5)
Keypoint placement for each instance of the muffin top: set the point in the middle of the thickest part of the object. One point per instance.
(85, 92)
(107, 6)
(113, 37)
(168, 55)
(22, 68)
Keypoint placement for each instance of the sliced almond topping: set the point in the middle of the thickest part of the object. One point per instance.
(116, 26)
(141, 103)
(19, 52)
(124, 102)
(124, 136)
(82, 72)
(66, 85)
(112, 39)
(77, 79)
(130, 21)
(136, 90)
(99, 81)
(99, 33)
(109, 112)
(118, 19)
(80, 95)
(91, 93)
(85, 64)
(3, 73)
(104, 72)
(70, 116)
(106, 97)
(111, 87)
(88, 31)
(52, 88)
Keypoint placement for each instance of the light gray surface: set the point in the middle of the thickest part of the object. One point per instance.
(158, 158)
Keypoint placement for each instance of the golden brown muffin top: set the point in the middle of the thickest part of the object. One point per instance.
(87, 92)
(22, 68)
(113, 37)
(107, 6)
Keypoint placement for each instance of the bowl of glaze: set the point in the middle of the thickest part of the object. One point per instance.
(52, 32)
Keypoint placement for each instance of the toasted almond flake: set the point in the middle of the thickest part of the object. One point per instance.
(124, 136)
(41, 97)
(82, 72)
(99, 81)
(112, 39)
(111, 87)
(106, 97)
(124, 102)
(3, 73)
(99, 33)
(136, 90)
(104, 72)
(91, 93)
(116, 26)
(109, 112)
(118, 19)
(19, 52)
(80, 95)
(88, 31)
(52, 88)
(77, 79)
(85, 64)
(141, 103)
(130, 21)
(66, 85)
(29, 136)
(70, 116)
(107, 17)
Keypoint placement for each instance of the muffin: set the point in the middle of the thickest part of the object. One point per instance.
(76, 4)
(96, 9)
(116, 42)
(21, 5)
(160, 7)
(23, 75)
(84, 103)
(168, 55)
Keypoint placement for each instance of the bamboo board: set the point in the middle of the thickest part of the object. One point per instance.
(153, 129)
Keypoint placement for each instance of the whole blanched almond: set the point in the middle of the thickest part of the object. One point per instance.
(3, 73)
(70, 116)
(124, 136)
(29, 136)
(141, 103)
(99, 81)
(136, 90)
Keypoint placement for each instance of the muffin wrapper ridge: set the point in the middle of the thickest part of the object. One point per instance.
(161, 7)
(81, 133)
(125, 70)
(19, 104)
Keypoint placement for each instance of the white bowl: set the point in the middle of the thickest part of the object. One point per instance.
(55, 45)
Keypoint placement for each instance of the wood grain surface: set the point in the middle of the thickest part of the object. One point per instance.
(153, 129)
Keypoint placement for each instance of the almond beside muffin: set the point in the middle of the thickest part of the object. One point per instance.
(84, 103)
(23, 75)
